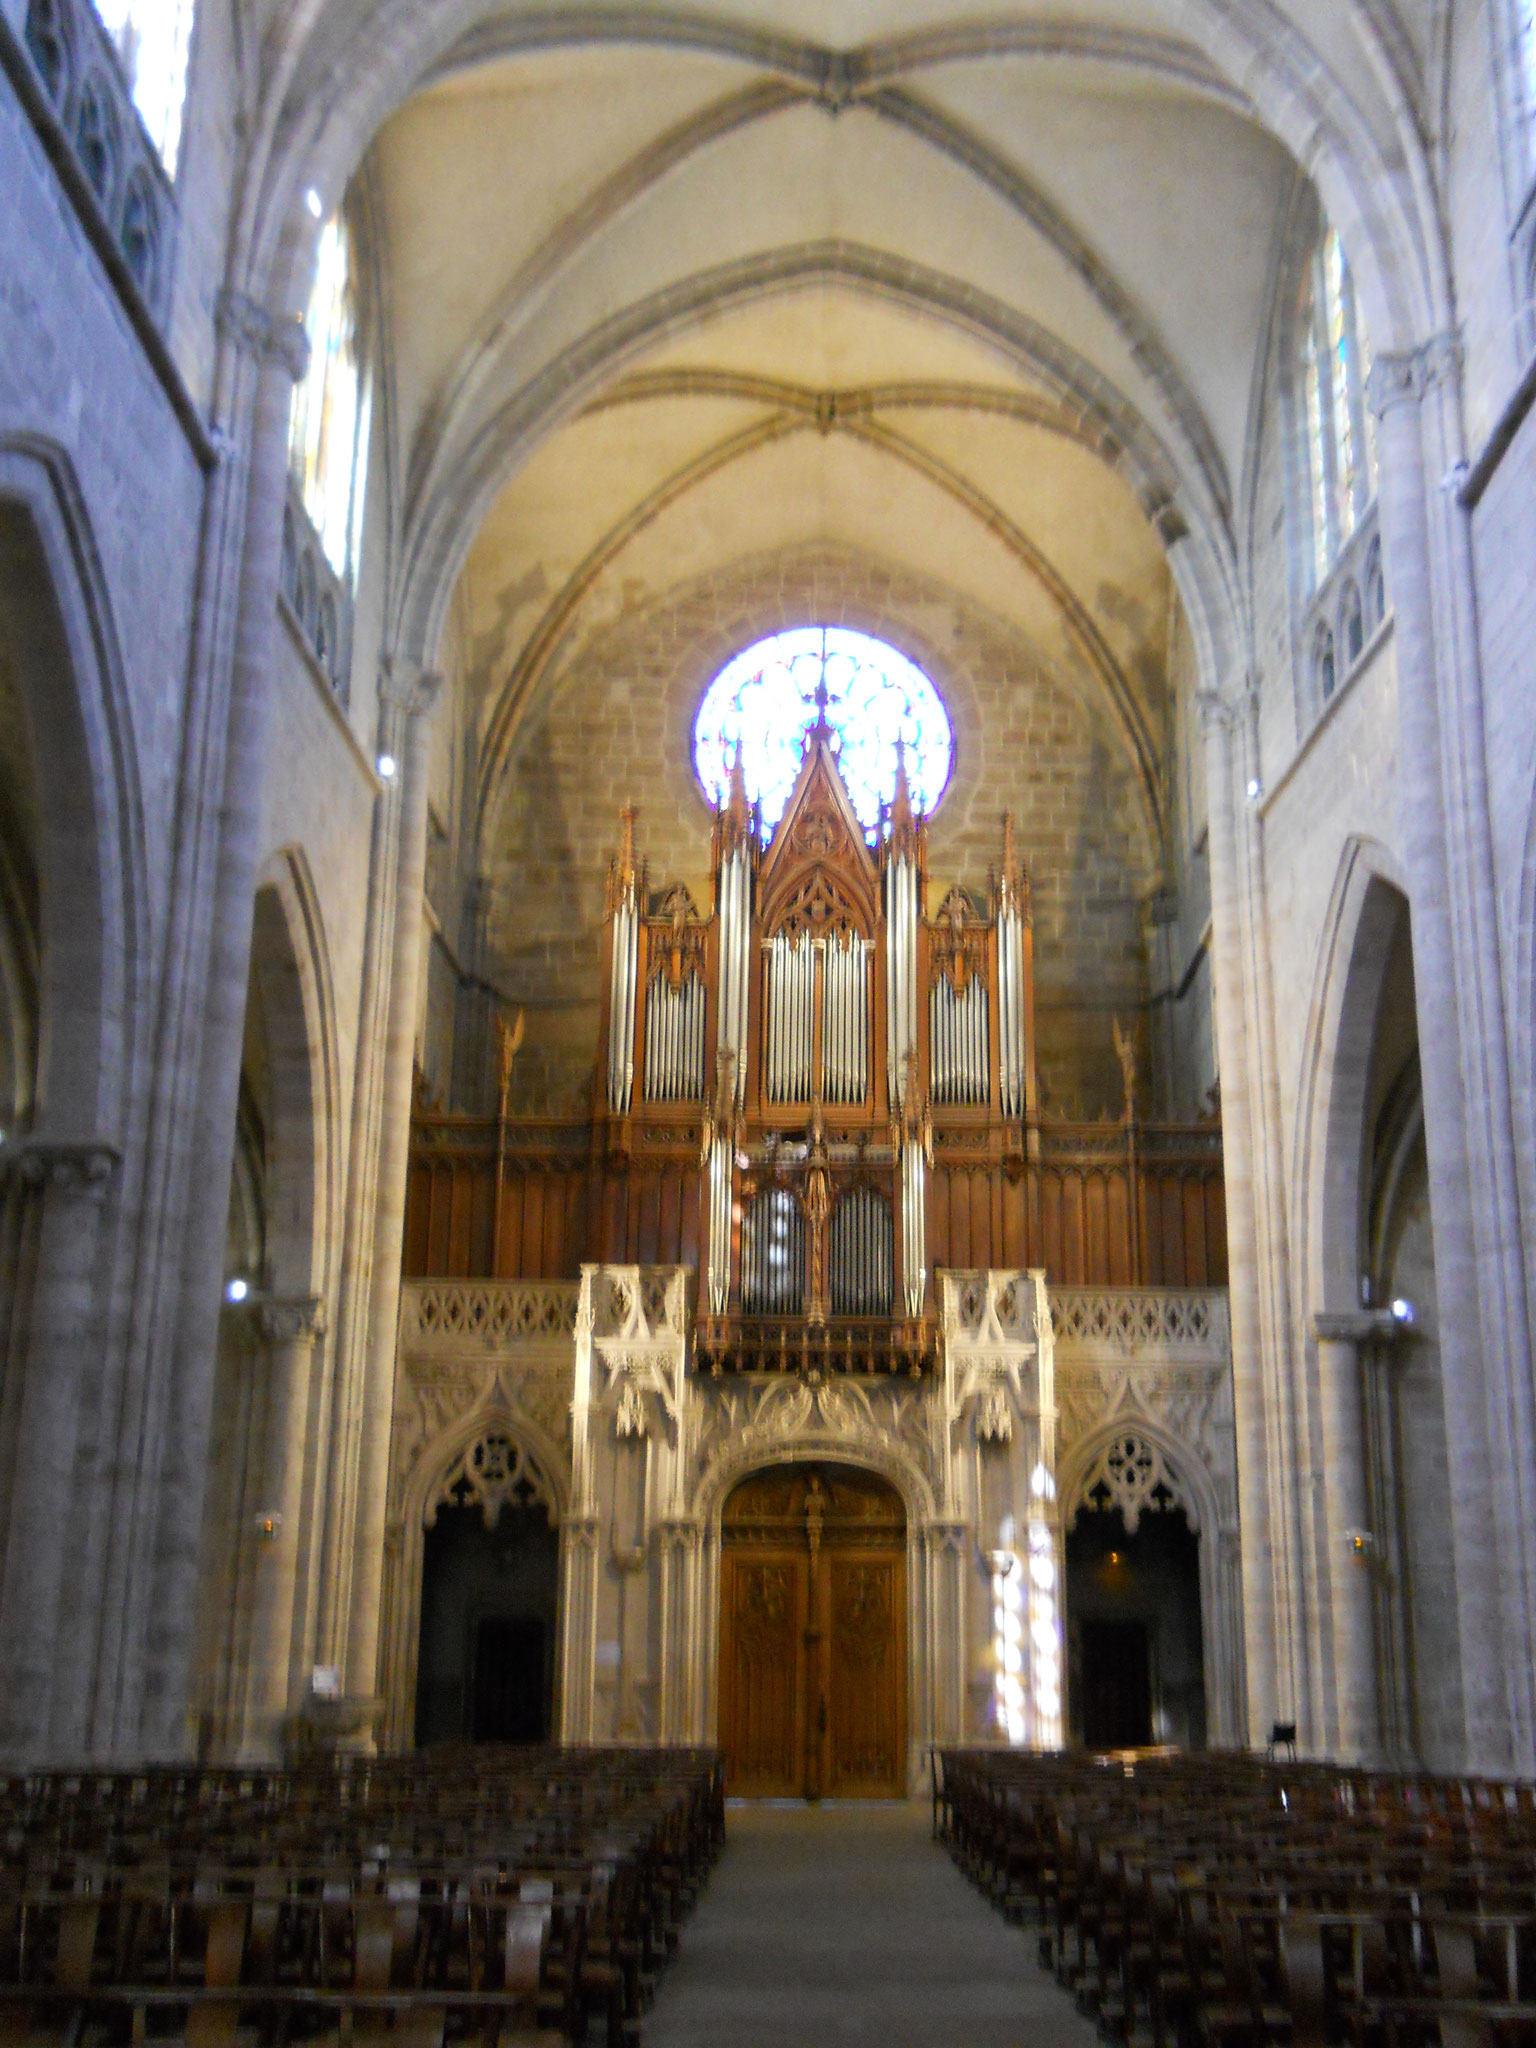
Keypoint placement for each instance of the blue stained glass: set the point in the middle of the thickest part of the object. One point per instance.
(765, 700)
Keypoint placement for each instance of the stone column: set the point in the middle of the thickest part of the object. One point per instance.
(291, 1330)
(71, 1181)
(172, 1430)
(1270, 1682)
(1352, 1541)
(414, 696)
(1479, 1237)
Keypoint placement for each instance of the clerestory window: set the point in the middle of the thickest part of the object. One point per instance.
(1340, 433)
(328, 427)
(765, 700)
(153, 40)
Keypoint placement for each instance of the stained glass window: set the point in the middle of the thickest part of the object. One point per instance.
(765, 700)
(328, 428)
(1341, 441)
(153, 38)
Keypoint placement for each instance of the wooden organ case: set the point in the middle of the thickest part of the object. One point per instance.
(832, 1032)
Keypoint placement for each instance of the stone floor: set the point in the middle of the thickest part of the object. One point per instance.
(846, 1923)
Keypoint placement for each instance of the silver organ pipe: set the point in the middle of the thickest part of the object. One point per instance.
(674, 1040)
(914, 1228)
(845, 1021)
(957, 1029)
(773, 1256)
(720, 1182)
(900, 969)
(1010, 1011)
(861, 1258)
(789, 1036)
(621, 1002)
(735, 929)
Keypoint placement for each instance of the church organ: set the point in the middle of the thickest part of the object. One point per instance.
(815, 1093)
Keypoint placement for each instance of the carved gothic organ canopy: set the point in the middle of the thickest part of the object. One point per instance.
(822, 1026)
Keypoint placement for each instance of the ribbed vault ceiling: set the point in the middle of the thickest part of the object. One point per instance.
(985, 296)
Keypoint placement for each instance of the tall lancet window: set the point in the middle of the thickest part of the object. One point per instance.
(154, 38)
(1335, 362)
(328, 431)
(872, 697)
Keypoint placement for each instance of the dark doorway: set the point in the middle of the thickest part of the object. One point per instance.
(1135, 1659)
(485, 1671)
(508, 1687)
(1116, 1685)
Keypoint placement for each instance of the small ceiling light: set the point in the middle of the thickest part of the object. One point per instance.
(386, 767)
(236, 1289)
(312, 201)
(1402, 1311)
(1255, 790)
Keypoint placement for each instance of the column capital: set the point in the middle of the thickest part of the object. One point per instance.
(262, 334)
(1355, 1326)
(1405, 378)
(1223, 710)
(291, 1319)
(407, 687)
(74, 1163)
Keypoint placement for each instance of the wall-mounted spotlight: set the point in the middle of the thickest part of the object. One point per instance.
(1402, 1312)
(312, 201)
(237, 1289)
(386, 767)
(1255, 790)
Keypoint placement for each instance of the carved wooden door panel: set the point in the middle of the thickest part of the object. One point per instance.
(864, 1597)
(813, 1636)
(763, 1612)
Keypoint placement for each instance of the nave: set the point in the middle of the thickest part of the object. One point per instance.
(847, 1922)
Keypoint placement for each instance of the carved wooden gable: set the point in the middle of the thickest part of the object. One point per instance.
(818, 876)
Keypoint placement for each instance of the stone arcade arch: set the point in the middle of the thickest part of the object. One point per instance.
(503, 1456)
(265, 1505)
(1390, 1668)
(1178, 1467)
(58, 642)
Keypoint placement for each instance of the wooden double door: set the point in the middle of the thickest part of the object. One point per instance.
(813, 1637)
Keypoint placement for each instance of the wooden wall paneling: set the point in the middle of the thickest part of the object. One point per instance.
(1015, 1206)
(1118, 1261)
(668, 1229)
(688, 1235)
(1074, 1261)
(1216, 1230)
(531, 1244)
(650, 1253)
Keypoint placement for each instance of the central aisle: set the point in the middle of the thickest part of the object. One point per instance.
(847, 1923)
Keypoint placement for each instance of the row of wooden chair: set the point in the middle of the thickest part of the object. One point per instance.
(511, 1896)
(1223, 1902)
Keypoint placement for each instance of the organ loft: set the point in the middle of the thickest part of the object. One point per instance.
(785, 1384)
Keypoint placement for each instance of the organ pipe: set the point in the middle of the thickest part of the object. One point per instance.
(791, 1026)
(735, 934)
(621, 994)
(862, 1255)
(900, 968)
(845, 1022)
(1010, 1010)
(721, 1162)
(957, 1027)
(674, 1041)
(914, 1232)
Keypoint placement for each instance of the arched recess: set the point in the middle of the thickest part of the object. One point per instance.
(1180, 1470)
(1387, 1611)
(835, 1429)
(532, 1466)
(262, 1508)
(1365, 914)
(60, 648)
(79, 972)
